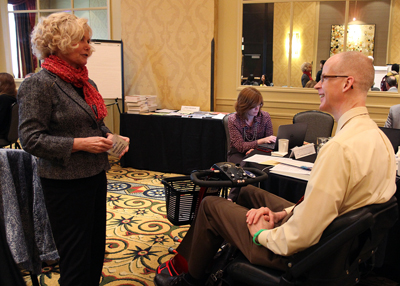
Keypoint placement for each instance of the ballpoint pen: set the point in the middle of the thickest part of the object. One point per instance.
(306, 168)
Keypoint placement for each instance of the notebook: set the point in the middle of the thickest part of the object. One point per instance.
(294, 132)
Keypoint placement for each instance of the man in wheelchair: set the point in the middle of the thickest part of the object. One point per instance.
(355, 168)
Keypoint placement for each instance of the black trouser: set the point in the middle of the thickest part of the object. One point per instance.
(218, 220)
(77, 213)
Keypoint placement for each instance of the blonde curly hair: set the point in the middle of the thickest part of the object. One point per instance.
(305, 66)
(58, 32)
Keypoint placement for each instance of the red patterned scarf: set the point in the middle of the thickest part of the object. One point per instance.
(79, 78)
(309, 74)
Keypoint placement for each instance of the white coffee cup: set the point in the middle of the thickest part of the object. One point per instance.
(283, 145)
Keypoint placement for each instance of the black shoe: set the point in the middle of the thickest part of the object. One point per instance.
(166, 280)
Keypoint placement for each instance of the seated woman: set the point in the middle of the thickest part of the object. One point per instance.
(248, 127)
(8, 92)
(264, 81)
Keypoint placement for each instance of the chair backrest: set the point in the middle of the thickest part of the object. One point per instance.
(12, 135)
(347, 242)
(393, 135)
(13, 131)
(228, 138)
(319, 124)
(28, 233)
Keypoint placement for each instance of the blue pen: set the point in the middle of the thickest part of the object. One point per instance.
(306, 168)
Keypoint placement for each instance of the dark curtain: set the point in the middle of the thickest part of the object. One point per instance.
(24, 23)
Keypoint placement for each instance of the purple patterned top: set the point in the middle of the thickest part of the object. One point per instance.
(243, 137)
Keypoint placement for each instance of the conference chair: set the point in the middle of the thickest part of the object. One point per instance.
(12, 135)
(24, 213)
(394, 136)
(228, 138)
(346, 250)
(319, 124)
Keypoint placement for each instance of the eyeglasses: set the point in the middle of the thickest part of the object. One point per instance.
(328, 76)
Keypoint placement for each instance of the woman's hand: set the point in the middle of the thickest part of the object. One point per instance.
(267, 140)
(94, 144)
(270, 139)
(248, 152)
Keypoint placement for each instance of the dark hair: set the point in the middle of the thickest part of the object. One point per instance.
(7, 84)
(395, 67)
(247, 99)
(322, 62)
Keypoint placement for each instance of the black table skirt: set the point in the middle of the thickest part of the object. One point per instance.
(172, 144)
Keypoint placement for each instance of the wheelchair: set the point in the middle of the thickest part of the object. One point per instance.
(348, 249)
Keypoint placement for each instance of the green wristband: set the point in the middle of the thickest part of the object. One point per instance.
(255, 236)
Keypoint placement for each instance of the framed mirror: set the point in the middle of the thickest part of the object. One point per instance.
(279, 37)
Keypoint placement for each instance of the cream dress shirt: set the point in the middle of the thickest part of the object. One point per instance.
(355, 168)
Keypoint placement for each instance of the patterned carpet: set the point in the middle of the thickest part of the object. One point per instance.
(138, 232)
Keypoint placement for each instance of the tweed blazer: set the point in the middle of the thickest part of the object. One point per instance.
(51, 115)
(393, 120)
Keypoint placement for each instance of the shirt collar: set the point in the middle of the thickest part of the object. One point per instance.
(350, 114)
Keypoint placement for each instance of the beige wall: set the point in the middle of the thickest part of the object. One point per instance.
(282, 103)
(395, 33)
(167, 50)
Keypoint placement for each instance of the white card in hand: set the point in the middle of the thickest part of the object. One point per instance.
(118, 147)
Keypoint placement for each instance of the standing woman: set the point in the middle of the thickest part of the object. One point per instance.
(248, 127)
(61, 122)
(306, 68)
(8, 92)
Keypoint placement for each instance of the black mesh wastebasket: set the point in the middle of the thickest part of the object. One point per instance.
(183, 198)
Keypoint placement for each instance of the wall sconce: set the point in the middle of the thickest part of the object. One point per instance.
(296, 45)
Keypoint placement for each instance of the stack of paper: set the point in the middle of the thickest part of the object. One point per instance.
(284, 166)
(141, 103)
(136, 104)
(165, 110)
(151, 102)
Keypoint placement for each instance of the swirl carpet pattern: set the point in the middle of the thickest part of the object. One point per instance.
(138, 232)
